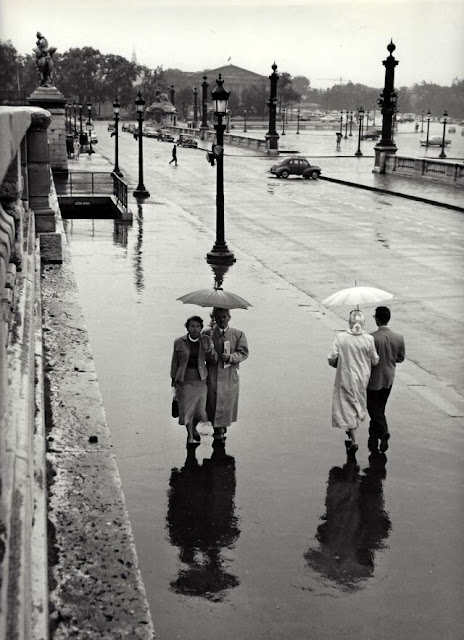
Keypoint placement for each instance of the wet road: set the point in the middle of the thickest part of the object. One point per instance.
(281, 539)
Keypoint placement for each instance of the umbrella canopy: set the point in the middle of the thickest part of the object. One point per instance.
(215, 298)
(356, 296)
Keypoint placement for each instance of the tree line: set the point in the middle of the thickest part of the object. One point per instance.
(83, 74)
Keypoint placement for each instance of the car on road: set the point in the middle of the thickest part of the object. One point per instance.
(186, 140)
(370, 135)
(295, 166)
(111, 127)
(435, 141)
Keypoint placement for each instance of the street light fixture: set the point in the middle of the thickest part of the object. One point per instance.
(428, 128)
(89, 127)
(341, 122)
(283, 122)
(351, 123)
(195, 107)
(244, 121)
(220, 252)
(140, 192)
(361, 118)
(298, 121)
(346, 125)
(445, 116)
(116, 108)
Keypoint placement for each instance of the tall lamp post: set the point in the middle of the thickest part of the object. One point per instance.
(428, 128)
(283, 122)
(351, 123)
(346, 125)
(272, 137)
(361, 118)
(298, 121)
(204, 107)
(341, 122)
(89, 126)
(116, 108)
(244, 121)
(81, 131)
(445, 116)
(140, 192)
(422, 122)
(220, 252)
(195, 107)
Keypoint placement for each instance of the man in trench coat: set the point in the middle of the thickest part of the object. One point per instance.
(230, 349)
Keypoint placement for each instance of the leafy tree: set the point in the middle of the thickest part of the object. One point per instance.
(118, 76)
(9, 67)
(254, 99)
(301, 84)
(151, 81)
(78, 74)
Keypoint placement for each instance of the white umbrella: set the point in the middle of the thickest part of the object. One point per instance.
(356, 296)
(215, 298)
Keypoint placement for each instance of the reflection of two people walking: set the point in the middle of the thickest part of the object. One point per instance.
(354, 526)
(202, 523)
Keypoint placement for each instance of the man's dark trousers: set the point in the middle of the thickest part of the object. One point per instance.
(376, 402)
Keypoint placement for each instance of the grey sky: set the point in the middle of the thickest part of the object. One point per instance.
(321, 39)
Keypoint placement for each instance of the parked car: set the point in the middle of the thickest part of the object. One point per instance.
(186, 140)
(295, 166)
(435, 141)
(93, 137)
(370, 135)
(151, 132)
(110, 127)
(128, 126)
(165, 136)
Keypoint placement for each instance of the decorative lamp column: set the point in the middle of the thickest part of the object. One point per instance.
(220, 252)
(445, 116)
(75, 116)
(428, 128)
(360, 118)
(283, 122)
(346, 125)
(81, 131)
(140, 191)
(388, 103)
(195, 107)
(172, 94)
(341, 122)
(272, 137)
(351, 123)
(422, 122)
(89, 127)
(298, 121)
(244, 121)
(204, 107)
(116, 108)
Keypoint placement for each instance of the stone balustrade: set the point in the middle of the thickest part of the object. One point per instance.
(446, 171)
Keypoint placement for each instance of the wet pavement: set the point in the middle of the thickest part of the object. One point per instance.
(280, 537)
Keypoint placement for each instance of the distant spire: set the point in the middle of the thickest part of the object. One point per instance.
(134, 56)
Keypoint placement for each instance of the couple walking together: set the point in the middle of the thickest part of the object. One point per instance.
(204, 373)
(365, 366)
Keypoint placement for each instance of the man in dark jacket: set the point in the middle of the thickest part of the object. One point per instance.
(390, 347)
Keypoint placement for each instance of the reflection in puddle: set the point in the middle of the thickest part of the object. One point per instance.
(201, 522)
(354, 526)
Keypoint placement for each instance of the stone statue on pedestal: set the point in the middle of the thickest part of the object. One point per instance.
(44, 60)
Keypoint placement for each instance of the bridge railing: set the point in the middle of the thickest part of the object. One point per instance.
(91, 183)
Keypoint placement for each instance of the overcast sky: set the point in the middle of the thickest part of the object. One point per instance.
(323, 40)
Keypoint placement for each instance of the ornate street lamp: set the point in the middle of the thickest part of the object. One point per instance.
(140, 192)
(272, 137)
(346, 125)
(244, 121)
(428, 128)
(298, 121)
(422, 122)
(75, 115)
(116, 108)
(204, 107)
(283, 122)
(341, 122)
(220, 252)
(351, 123)
(89, 126)
(361, 118)
(195, 107)
(445, 116)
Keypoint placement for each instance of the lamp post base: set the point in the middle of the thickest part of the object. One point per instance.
(141, 192)
(220, 255)
(358, 153)
(442, 155)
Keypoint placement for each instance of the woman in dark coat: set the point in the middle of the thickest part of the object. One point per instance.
(188, 376)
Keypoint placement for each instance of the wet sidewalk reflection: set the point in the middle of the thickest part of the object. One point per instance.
(355, 525)
(202, 523)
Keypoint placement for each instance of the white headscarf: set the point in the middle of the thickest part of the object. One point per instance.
(356, 322)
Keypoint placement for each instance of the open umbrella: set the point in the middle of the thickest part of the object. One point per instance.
(356, 296)
(215, 298)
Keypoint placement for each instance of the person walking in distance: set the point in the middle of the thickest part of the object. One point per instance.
(174, 155)
(391, 349)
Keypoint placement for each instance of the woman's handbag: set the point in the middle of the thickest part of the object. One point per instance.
(174, 408)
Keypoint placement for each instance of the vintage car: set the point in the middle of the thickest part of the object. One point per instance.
(435, 141)
(186, 140)
(370, 135)
(295, 166)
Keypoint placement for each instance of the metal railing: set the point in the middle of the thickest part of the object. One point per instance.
(91, 183)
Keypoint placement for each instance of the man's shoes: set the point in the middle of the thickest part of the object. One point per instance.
(373, 444)
(384, 443)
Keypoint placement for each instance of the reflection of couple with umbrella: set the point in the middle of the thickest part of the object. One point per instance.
(201, 523)
(353, 354)
(355, 525)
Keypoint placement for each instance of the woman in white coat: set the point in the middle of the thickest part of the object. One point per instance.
(353, 354)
